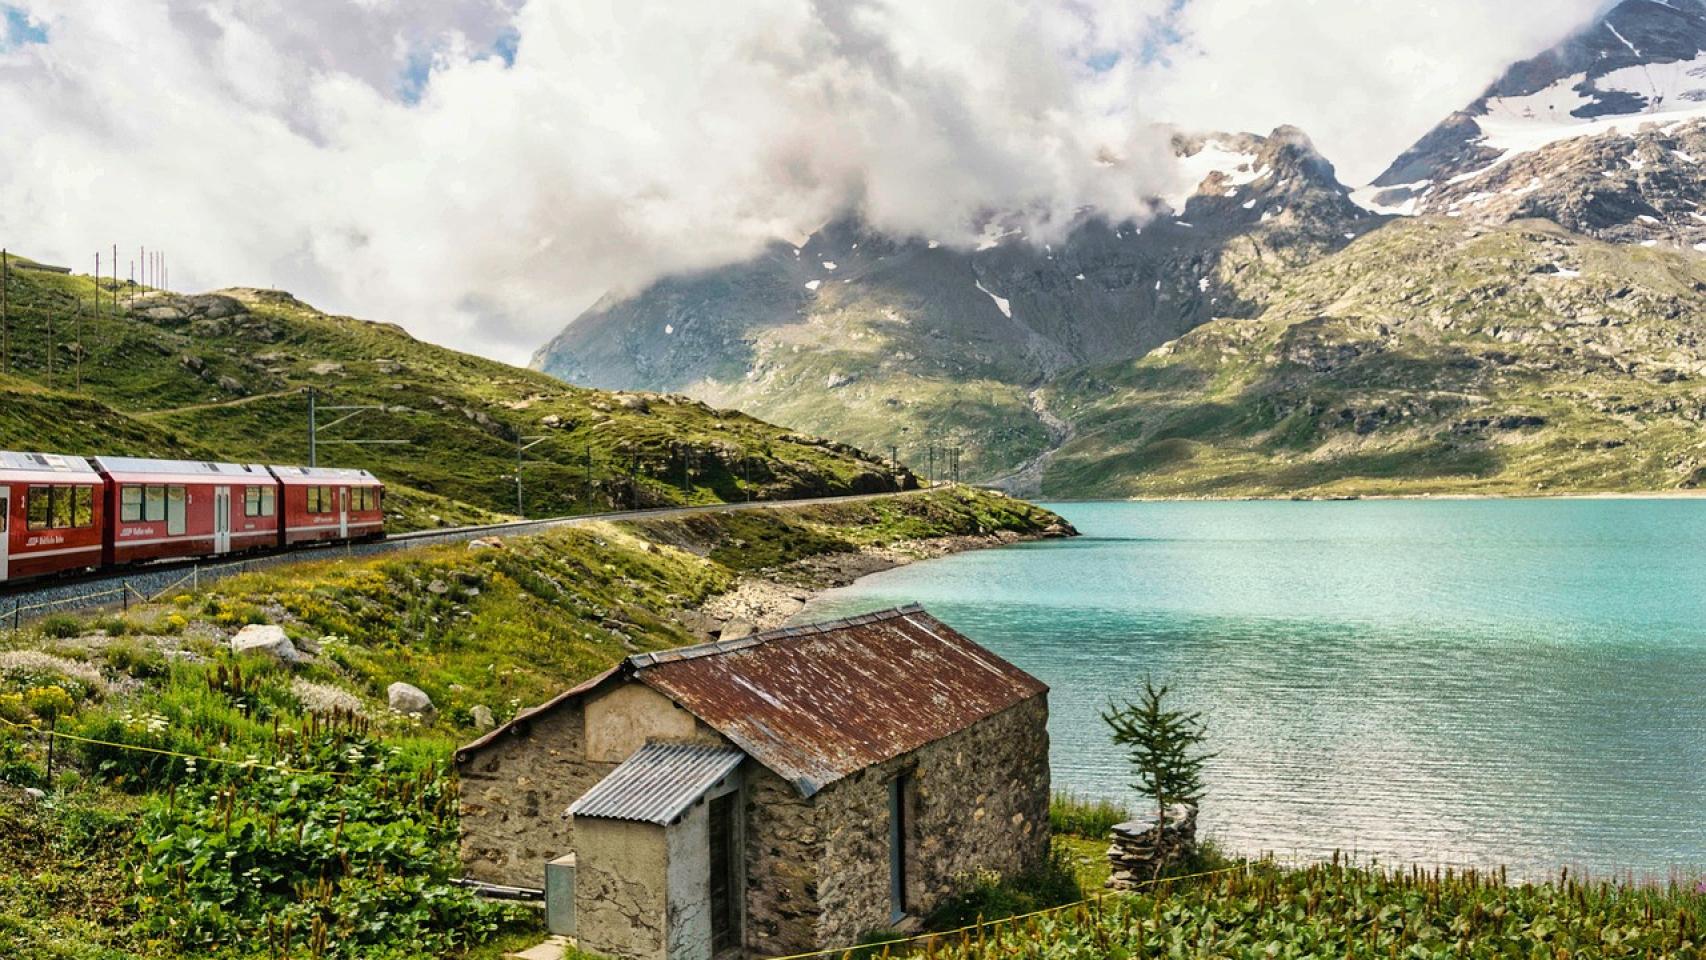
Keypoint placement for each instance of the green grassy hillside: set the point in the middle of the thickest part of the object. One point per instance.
(151, 854)
(1430, 356)
(228, 376)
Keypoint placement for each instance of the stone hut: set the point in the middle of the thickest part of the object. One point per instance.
(785, 792)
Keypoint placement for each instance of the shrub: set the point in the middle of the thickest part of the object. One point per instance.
(61, 626)
(139, 660)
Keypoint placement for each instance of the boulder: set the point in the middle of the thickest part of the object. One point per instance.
(265, 638)
(438, 588)
(483, 718)
(410, 699)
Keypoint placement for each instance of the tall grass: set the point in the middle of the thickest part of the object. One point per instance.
(1079, 816)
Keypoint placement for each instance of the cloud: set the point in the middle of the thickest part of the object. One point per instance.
(1365, 78)
(481, 170)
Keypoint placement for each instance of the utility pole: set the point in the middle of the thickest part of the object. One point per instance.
(313, 430)
(50, 346)
(522, 445)
(931, 474)
(79, 354)
(97, 289)
(5, 312)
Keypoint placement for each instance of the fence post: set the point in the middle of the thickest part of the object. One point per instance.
(17, 611)
(124, 592)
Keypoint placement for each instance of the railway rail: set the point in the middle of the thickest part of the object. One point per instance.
(110, 589)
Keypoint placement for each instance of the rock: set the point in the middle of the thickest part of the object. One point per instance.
(265, 638)
(638, 404)
(324, 368)
(409, 699)
(735, 630)
(387, 367)
(231, 385)
(487, 543)
(551, 420)
(483, 719)
(35, 793)
(438, 588)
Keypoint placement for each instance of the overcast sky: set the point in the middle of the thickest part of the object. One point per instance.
(481, 170)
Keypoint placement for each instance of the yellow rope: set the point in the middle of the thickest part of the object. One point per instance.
(1103, 895)
(184, 756)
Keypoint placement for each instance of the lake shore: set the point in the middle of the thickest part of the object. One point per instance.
(763, 602)
(1346, 498)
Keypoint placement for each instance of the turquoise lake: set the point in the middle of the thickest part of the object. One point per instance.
(1516, 682)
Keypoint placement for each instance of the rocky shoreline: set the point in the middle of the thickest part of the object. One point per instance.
(768, 601)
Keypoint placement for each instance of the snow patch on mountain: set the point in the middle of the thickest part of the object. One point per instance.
(1001, 303)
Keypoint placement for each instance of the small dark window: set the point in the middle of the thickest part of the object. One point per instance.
(130, 504)
(39, 508)
(897, 848)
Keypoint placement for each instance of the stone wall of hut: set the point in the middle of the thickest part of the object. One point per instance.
(977, 801)
(514, 794)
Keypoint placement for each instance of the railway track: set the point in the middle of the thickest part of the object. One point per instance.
(118, 589)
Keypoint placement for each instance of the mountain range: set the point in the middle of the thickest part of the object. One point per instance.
(1509, 307)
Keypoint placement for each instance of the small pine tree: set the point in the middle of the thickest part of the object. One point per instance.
(1163, 747)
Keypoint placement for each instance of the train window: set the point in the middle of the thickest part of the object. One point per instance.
(258, 502)
(358, 498)
(155, 504)
(130, 503)
(175, 503)
(39, 508)
(63, 514)
(313, 499)
(83, 511)
(328, 503)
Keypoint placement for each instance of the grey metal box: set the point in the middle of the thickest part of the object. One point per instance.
(560, 896)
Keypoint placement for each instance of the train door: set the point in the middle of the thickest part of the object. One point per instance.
(343, 513)
(221, 520)
(5, 529)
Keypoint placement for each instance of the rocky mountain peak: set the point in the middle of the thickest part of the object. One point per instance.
(1595, 133)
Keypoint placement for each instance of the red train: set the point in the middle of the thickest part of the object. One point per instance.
(60, 513)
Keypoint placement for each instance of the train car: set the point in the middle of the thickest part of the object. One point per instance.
(50, 515)
(325, 503)
(160, 509)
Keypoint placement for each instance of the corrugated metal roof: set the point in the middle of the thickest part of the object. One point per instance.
(816, 703)
(658, 783)
(819, 702)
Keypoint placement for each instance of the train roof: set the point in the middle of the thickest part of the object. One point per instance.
(306, 476)
(191, 471)
(45, 467)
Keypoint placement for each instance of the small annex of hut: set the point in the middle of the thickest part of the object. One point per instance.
(785, 792)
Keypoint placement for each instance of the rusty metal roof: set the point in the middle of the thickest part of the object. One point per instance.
(816, 703)
(659, 783)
